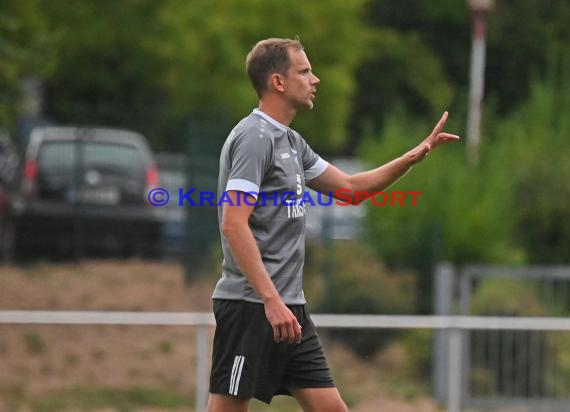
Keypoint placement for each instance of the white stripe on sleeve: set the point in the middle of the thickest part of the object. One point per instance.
(316, 170)
(243, 186)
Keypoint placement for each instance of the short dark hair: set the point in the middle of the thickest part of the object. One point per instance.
(267, 57)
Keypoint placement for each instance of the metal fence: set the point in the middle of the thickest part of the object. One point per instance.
(205, 140)
(454, 326)
(507, 367)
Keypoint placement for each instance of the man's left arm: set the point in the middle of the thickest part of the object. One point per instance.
(384, 176)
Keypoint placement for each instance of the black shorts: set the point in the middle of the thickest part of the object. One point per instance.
(248, 363)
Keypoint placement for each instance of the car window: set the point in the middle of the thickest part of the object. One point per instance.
(60, 157)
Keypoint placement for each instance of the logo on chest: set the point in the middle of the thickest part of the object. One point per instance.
(295, 205)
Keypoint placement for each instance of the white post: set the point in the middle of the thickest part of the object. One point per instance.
(455, 371)
(202, 377)
(443, 305)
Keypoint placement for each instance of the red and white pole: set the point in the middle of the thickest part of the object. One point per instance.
(479, 10)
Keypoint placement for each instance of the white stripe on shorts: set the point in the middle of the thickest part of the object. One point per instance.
(239, 375)
(236, 375)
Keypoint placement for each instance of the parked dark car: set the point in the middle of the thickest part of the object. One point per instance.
(81, 191)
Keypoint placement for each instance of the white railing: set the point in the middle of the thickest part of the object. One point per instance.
(203, 322)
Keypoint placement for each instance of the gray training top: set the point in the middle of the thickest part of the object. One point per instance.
(272, 162)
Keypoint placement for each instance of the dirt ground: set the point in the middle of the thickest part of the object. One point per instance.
(39, 361)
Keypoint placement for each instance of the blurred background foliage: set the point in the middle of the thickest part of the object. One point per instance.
(512, 209)
(27, 46)
(151, 65)
(388, 71)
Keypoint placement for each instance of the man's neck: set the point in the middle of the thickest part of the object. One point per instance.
(278, 111)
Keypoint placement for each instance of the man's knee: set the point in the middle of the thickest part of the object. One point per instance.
(320, 400)
(226, 403)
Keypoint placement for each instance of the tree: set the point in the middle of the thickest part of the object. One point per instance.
(27, 45)
(206, 45)
(523, 36)
(430, 47)
(153, 65)
(419, 60)
(107, 73)
(400, 69)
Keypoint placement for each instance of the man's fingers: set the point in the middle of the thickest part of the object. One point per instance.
(285, 333)
(436, 138)
(290, 333)
(280, 333)
(441, 138)
(298, 333)
(448, 136)
(295, 331)
(439, 126)
(286, 327)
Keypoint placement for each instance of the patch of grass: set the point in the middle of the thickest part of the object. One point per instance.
(166, 347)
(13, 396)
(35, 343)
(121, 400)
(71, 359)
(405, 388)
(43, 269)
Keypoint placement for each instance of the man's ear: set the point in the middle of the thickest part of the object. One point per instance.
(276, 82)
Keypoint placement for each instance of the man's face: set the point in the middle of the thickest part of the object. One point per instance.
(300, 82)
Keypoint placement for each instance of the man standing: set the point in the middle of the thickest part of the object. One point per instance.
(265, 342)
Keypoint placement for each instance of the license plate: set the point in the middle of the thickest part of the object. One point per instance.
(99, 196)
